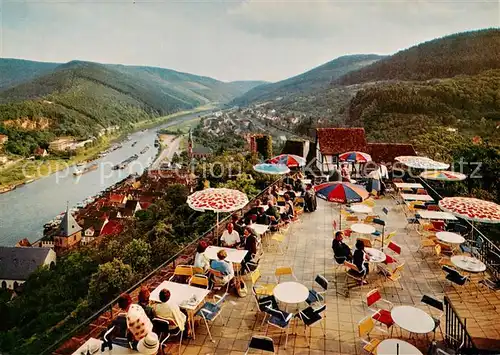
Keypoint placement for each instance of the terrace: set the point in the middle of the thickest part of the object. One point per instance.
(471, 311)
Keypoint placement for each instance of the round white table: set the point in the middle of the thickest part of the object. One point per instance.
(291, 292)
(361, 208)
(468, 263)
(389, 347)
(376, 256)
(412, 319)
(362, 228)
(449, 237)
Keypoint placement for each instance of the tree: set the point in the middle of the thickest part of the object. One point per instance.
(137, 254)
(110, 279)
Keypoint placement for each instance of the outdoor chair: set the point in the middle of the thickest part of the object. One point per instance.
(117, 333)
(421, 192)
(166, 328)
(379, 222)
(387, 239)
(278, 240)
(210, 311)
(369, 203)
(263, 303)
(318, 296)
(366, 242)
(310, 317)
(443, 260)
(352, 273)
(369, 219)
(380, 315)
(438, 305)
(260, 342)
(439, 225)
(281, 320)
(365, 327)
(433, 208)
(198, 271)
(284, 271)
(261, 290)
(182, 272)
(352, 219)
(394, 248)
(218, 280)
(395, 274)
(199, 281)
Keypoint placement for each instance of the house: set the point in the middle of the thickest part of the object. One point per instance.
(18, 263)
(112, 228)
(69, 235)
(92, 228)
(197, 151)
(3, 139)
(331, 142)
(117, 199)
(23, 243)
(61, 144)
(131, 207)
(40, 152)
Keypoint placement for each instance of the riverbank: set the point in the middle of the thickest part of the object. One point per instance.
(29, 170)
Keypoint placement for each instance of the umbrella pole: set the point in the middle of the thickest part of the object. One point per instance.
(340, 216)
(217, 227)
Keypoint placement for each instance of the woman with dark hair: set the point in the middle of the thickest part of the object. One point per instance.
(143, 298)
(201, 259)
(360, 258)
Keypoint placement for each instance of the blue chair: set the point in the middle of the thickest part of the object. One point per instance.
(310, 317)
(379, 222)
(210, 311)
(318, 296)
(280, 319)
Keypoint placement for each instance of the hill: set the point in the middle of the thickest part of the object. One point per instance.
(80, 98)
(313, 80)
(15, 71)
(464, 53)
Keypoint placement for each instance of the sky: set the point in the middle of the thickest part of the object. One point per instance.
(229, 40)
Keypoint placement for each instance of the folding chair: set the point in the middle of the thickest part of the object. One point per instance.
(366, 242)
(310, 317)
(438, 305)
(259, 342)
(261, 290)
(166, 327)
(387, 239)
(184, 272)
(381, 315)
(279, 238)
(218, 280)
(394, 275)
(352, 273)
(280, 320)
(379, 222)
(283, 271)
(365, 327)
(199, 281)
(263, 303)
(443, 260)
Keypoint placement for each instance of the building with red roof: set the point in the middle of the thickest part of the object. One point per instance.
(387, 152)
(331, 142)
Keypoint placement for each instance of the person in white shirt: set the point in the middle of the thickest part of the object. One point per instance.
(201, 259)
(168, 309)
(384, 173)
(230, 238)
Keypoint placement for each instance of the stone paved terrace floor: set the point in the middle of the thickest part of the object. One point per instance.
(308, 252)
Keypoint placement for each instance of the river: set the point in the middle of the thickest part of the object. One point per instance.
(24, 211)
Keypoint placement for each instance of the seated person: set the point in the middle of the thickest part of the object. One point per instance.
(290, 192)
(360, 258)
(168, 309)
(341, 251)
(254, 209)
(274, 192)
(273, 212)
(230, 238)
(237, 223)
(298, 187)
(223, 266)
(250, 244)
(289, 209)
(201, 260)
(262, 218)
(138, 323)
(144, 302)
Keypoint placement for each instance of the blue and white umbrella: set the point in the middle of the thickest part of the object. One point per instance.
(272, 169)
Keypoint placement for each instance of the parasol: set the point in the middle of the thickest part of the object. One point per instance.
(290, 160)
(355, 157)
(273, 169)
(421, 162)
(341, 192)
(217, 200)
(443, 175)
(471, 209)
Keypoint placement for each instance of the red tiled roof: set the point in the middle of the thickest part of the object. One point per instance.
(386, 152)
(112, 227)
(334, 141)
(116, 198)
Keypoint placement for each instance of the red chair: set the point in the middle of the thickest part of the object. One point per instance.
(381, 315)
(438, 225)
(395, 248)
(347, 232)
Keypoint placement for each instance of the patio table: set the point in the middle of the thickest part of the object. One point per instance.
(362, 228)
(94, 343)
(185, 296)
(390, 346)
(233, 255)
(259, 229)
(468, 263)
(416, 197)
(359, 208)
(408, 185)
(412, 319)
(449, 237)
(376, 256)
(291, 292)
(436, 215)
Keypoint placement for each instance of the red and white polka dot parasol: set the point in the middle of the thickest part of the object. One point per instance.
(472, 209)
(217, 200)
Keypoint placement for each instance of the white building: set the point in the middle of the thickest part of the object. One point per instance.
(18, 263)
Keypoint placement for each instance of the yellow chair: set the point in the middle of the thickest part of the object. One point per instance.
(198, 271)
(278, 239)
(261, 290)
(352, 219)
(394, 275)
(199, 281)
(369, 203)
(182, 271)
(284, 271)
(365, 327)
(444, 260)
(369, 219)
(387, 239)
(426, 243)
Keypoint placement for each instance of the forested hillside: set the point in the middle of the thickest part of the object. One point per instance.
(463, 53)
(15, 71)
(80, 98)
(306, 83)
